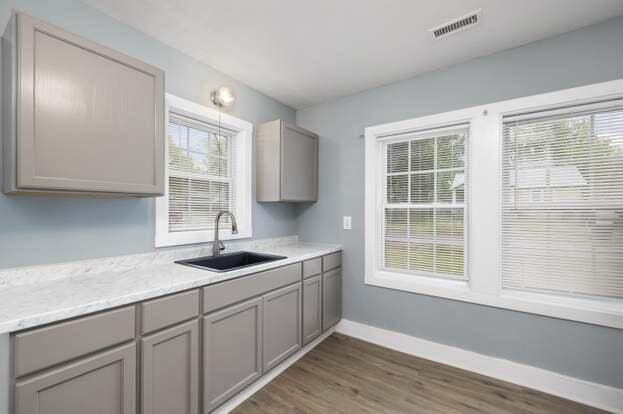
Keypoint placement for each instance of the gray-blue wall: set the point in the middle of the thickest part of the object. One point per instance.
(594, 54)
(37, 229)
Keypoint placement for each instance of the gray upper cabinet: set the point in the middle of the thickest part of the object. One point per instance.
(79, 117)
(282, 325)
(287, 163)
(104, 383)
(170, 371)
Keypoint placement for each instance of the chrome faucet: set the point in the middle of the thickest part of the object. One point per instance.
(216, 246)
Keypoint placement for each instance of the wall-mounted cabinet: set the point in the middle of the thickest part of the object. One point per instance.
(287, 163)
(79, 117)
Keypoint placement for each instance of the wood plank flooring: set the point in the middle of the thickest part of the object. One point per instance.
(346, 375)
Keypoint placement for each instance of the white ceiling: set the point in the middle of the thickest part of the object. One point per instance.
(306, 52)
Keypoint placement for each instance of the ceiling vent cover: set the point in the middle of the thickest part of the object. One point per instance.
(457, 25)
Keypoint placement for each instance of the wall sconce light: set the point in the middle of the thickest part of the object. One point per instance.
(223, 97)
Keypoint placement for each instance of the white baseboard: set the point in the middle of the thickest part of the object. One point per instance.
(259, 384)
(585, 392)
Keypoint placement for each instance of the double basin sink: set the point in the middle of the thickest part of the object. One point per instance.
(229, 261)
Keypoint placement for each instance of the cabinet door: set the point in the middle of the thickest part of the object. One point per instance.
(170, 371)
(232, 351)
(102, 384)
(299, 165)
(282, 325)
(91, 118)
(331, 298)
(312, 308)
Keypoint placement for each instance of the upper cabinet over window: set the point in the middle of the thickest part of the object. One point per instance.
(287, 163)
(79, 117)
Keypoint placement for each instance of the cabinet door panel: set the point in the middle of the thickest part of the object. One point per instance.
(312, 308)
(331, 298)
(102, 384)
(299, 166)
(232, 351)
(170, 371)
(282, 325)
(91, 118)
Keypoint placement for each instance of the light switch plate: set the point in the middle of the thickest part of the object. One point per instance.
(348, 222)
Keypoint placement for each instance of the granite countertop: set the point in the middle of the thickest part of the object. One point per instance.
(54, 298)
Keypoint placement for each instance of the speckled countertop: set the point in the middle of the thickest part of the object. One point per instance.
(70, 290)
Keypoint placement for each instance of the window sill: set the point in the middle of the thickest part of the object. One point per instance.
(605, 313)
(195, 237)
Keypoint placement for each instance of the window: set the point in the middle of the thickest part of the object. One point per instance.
(569, 239)
(515, 204)
(208, 170)
(424, 207)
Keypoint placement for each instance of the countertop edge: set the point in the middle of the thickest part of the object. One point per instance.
(61, 314)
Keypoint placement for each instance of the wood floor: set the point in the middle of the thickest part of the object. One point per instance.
(346, 375)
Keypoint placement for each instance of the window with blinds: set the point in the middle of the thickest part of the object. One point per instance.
(201, 174)
(424, 206)
(562, 201)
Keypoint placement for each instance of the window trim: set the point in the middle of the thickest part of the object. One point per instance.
(485, 210)
(244, 176)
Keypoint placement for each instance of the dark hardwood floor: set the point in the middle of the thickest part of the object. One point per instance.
(346, 375)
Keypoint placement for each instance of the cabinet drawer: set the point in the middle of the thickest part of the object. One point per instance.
(41, 348)
(167, 311)
(312, 267)
(331, 261)
(102, 383)
(232, 291)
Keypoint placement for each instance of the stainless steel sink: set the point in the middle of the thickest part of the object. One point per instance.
(229, 261)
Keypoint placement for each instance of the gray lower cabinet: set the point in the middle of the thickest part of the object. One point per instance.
(282, 325)
(312, 308)
(232, 351)
(170, 371)
(331, 298)
(102, 384)
(250, 326)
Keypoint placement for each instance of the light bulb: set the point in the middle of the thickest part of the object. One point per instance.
(223, 97)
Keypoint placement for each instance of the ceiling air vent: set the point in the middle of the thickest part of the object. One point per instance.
(456, 25)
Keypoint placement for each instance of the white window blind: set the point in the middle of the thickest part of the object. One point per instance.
(424, 206)
(201, 174)
(562, 201)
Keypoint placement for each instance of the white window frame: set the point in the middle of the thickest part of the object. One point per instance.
(484, 201)
(243, 175)
(428, 131)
